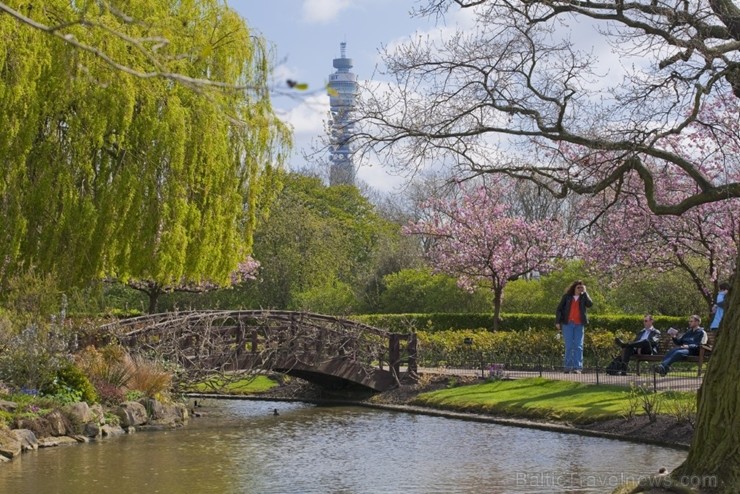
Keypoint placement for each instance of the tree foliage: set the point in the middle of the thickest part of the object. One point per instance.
(478, 240)
(422, 291)
(107, 174)
(320, 242)
(703, 241)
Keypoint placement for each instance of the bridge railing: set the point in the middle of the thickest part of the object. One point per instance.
(206, 341)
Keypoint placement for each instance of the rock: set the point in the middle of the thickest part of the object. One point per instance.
(80, 413)
(98, 413)
(27, 438)
(131, 413)
(60, 426)
(49, 442)
(8, 406)
(39, 426)
(171, 414)
(10, 445)
(154, 408)
(112, 430)
(92, 429)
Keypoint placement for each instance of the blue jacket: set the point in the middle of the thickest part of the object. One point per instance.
(693, 338)
(721, 300)
(561, 313)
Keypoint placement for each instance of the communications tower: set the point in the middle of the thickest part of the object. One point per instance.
(342, 96)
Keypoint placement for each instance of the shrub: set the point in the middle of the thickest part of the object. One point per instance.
(682, 407)
(461, 347)
(109, 364)
(71, 385)
(108, 393)
(425, 291)
(112, 367)
(31, 358)
(150, 378)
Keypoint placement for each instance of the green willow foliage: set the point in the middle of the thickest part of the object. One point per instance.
(105, 174)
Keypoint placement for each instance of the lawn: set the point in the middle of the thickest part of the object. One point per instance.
(553, 400)
(251, 385)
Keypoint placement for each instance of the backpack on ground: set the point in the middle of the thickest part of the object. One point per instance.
(616, 366)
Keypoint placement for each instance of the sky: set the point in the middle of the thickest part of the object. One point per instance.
(305, 35)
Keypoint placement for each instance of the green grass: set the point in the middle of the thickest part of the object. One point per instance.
(250, 385)
(544, 399)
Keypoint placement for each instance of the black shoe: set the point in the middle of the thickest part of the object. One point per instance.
(623, 373)
(661, 370)
(619, 342)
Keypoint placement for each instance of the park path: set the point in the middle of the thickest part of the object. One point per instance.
(676, 382)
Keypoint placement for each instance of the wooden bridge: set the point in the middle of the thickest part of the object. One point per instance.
(331, 352)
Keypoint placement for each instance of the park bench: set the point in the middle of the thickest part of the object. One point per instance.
(666, 344)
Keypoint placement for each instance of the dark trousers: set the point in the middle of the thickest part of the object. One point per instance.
(632, 347)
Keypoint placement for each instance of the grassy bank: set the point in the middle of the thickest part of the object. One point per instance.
(252, 385)
(573, 402)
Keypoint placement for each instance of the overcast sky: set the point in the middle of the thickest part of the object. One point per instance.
(306, 35)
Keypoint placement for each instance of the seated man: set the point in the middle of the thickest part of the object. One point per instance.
(646, 342)
(688, 344)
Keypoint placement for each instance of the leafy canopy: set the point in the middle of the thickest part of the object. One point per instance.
(106, 174)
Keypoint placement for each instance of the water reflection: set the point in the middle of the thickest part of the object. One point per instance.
(241, 447)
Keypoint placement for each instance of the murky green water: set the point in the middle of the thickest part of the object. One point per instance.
(240, 447)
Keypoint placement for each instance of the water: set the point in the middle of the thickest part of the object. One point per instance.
(240, 447)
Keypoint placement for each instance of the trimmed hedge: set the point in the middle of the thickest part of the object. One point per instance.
(476, 348)
(404, 323)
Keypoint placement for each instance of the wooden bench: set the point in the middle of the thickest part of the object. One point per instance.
(666, 344)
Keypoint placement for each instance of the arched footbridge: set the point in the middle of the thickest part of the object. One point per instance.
(329, 351)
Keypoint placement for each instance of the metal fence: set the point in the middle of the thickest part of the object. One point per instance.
(683, 376)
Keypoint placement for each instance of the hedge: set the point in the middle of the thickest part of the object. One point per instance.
(463, 347)
(404, 323)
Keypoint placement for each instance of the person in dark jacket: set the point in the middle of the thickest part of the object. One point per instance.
(571, 319)
(645, 342)
(688, 344)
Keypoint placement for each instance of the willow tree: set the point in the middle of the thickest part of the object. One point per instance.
(138, 139)
(580, 97)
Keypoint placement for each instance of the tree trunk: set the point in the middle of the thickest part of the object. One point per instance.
(714, 456)
(497, 296)
(153, 293)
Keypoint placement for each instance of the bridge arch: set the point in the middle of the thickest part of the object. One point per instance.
(326, 350)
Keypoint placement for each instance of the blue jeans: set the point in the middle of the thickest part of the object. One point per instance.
(573, 339)
(673, 356)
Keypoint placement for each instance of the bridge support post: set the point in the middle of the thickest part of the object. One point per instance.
(394, 353)
(412, 355)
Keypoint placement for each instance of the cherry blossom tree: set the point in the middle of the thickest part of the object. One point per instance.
(703, 241)
(584, 98)
(476, 239)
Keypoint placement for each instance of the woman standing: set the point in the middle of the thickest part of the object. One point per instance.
(570, 319)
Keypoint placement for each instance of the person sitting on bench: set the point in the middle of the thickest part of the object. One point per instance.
(688, 344)
(646, 342)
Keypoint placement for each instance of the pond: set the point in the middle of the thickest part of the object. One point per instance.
(242, 447)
